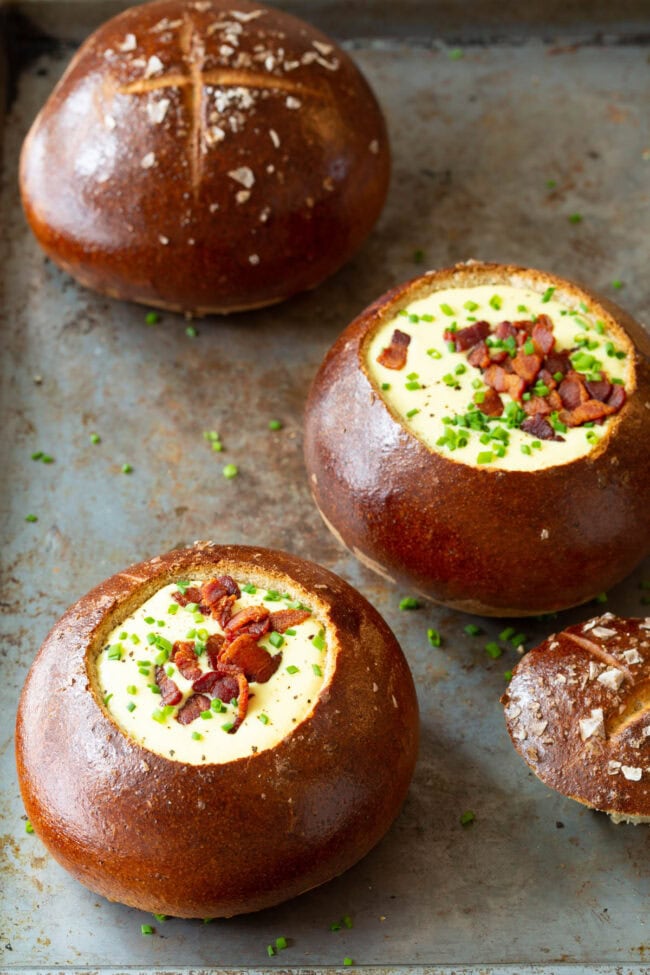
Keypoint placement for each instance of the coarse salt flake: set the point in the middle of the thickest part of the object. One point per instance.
(148, 161)
(275, 138)
(611, 678)
(632, 656)
(243, 196)
(109, 122)
(243, 175)
(157, 110)
(592, 726)
(292, 102)
(254, 259)
(603, 632)
(154, 66)
(631, 773)
(128, 44)
(163, 240)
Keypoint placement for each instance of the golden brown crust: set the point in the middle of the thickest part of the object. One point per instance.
(196, 158)
(216, 840)
(504, 543)
(578, 712)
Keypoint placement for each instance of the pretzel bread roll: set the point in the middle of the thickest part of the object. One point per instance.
(578, 712)
(214, 731)
(206, 156)
(481, 434)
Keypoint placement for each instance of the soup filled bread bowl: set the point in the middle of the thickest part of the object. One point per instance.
(198, 735)
(480, 433)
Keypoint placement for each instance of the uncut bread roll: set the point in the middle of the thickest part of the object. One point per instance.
(480, 433)
(207, 156)
(198, 735)
(577, 711)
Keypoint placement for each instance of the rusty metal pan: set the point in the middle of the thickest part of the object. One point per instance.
(498, 139)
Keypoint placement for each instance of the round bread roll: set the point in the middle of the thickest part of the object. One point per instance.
(205, 156)
(480, 433)
(578, 712)
(199, 735)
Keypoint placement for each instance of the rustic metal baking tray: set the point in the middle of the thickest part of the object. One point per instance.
(502, 130)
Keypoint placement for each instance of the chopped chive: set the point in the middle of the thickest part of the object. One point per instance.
(319, 640)
(191, 332)
(348, 961)
(412, 384)
(575, 218)
(507, 675)
(47, 459)
(281, 943)
(493, 650)
(270, 950)
(276, 640)
(529, 347)
(434, 353)
(272, 596)
(525, 449)
(495, 302)
(467, 818)
(518, 639)
(548, 294)
(485, 457)
(292, 669)
(130, 706)
(617, 284)
(473, 630)
(275, 424)
(31, 518)
(412, 413)
(28, 827)
(418, 255)
(317, 670)
(385, 385)
(447, 309)
(146, 929)
(347, 921)
(37, 455)
(249, 588)
(151, 318)
(131, 689)
(230, 471)
(160, 917)
(197, 736)
(551, 184)
(264, 718)
(115, 652)
(217, 705)
(335, 926)
(470, 305)
(434, 638)
(107, 699)
(227, 726)
(95, 438)
(507, 633)
(409, 602)
(127, 469)
(601, 597)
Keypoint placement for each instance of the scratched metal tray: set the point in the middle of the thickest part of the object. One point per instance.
(501, 131)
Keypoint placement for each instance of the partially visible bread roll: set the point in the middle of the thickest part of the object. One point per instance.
(205, 156)
(578, 712)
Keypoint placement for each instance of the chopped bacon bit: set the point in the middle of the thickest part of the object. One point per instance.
(213, 648)
(599, 390)
(246, 619)
(191, 595)
(192, 708)
(572, 391)
(215, 589)
(222, 611)
(495, 376)
(230, 586)
(217, 683)
(542, 335)
(465, 338)
(537, 405)
(479, 356)
(538, 427)
(544, 376)
(498, 355)
(492, 404)
(186, 660)
(505, 330)
(587, 412)
(169, 691)
(617, 397)
(558, 362)
(394, 355)
(516, 386)
(285, 618)
(554, 400)
(527, 366)
(242, 702)
(256, 662)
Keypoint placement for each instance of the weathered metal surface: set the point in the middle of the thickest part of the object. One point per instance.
(537, 880)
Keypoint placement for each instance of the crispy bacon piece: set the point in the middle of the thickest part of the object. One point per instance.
(191, 595)
(505, 330)
(465, 338)
(479, 356)
(544, 376)
(558, 362)
(527, 366)
(213, 590)
(538, 426)
(213, 648)
(217, 683)
(554, 400)
(192, 708)
(495, 376)
(586, 412)
(617, 397)
(537, 405)
(542, 335)
(222, 611)
(492, 404)
(257, 663)
(284, 618)
(394, 355)
(186, 660)
(251, 619)
(169, 692)
(599, 390)
(242, 701)
(572, 392)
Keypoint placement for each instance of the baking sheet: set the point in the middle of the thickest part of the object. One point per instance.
(537, 883)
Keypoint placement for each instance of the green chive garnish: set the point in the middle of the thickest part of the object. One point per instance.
(95, 438)
(409, 602)
(146, 929)
(127, 469)
(493, 650)
(473, 630)
(28, 827)
(467, 818)
(434, 638)
(31, 518)
(191, 332)
(230, 471)
(275, 424)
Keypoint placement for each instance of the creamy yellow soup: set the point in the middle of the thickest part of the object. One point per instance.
(126, 679)
(435, 394)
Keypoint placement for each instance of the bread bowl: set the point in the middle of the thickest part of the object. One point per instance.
(578, 712)
(205, 156)
(149, 803)
(468, 508)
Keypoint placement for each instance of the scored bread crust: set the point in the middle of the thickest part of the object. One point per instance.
(127, 177)
(486, 541)
(578, 712)
(218, 839)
